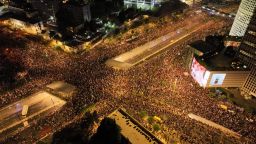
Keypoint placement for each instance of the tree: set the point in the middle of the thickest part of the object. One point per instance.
(107, 133)
(68, 136)
(76, 133)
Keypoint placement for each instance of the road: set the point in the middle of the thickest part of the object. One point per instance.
(58, 121)
(172, 39)
(12, 122)
(215, 125)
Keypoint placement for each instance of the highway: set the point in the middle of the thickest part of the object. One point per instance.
(214, 125)
(172, 39)
(41, 103)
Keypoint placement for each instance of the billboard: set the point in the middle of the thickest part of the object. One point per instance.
(199, 73)
(217, 79)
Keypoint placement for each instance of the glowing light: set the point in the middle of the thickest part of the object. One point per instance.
(198, 72)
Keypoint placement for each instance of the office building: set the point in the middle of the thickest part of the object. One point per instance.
(243, 17)
(247, 54)
(247, 49)
(211, 66)
(249, 86)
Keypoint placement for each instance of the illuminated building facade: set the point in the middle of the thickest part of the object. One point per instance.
(206, 77)
(211, 67)
(142, 4)
(243, 17)
(249, 86)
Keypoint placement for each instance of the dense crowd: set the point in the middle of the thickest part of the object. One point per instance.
(157, 86)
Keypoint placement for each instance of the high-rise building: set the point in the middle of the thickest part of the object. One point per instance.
(247, 49)
(243, 17)
(210, 67)
(247, 53)
(249, 85)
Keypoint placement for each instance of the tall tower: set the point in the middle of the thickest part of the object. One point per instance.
(243, 17)
(247, 53)
(249, 85)
(247, 49)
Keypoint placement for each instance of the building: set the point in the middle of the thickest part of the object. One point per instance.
(143, 4)
(104, 8)
(214, 67)
(247, 49)
(4, 1)
(247, 53)
(29, 22)
(80, 10)
(132, 129)
(46, 8)
(233, 41)
(3, 9)
(249, 86)
(31, 26)
(243, 17)
(72, 16)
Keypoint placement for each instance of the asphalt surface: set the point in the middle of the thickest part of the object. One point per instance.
(11, 120)
(140, 54)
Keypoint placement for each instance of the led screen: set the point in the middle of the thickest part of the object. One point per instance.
(198, 72)
(217, 79)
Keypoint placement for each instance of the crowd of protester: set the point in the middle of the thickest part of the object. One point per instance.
(158, 86)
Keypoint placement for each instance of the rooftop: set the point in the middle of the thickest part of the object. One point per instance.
(216, 58)
(24, 18)
(203, 47)
(19, 14)
(77, 2)
(131, 128)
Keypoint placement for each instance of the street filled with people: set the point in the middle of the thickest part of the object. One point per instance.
(159, 86)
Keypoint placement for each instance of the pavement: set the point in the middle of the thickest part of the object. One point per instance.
(214, 125)
(152, 48)
(39, 104)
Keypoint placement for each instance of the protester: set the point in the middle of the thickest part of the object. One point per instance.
(157, 86)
